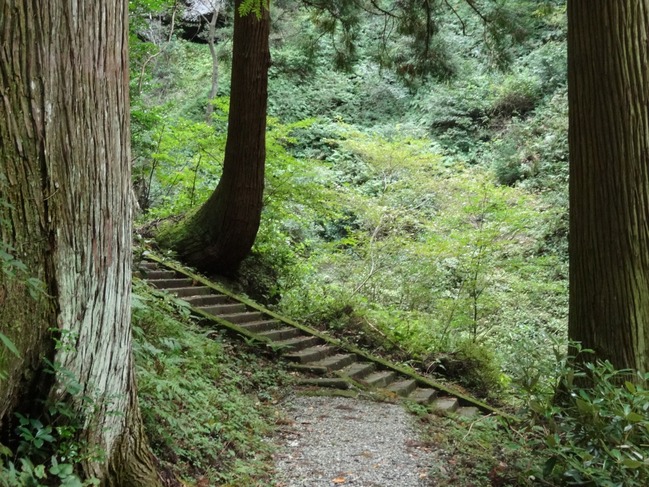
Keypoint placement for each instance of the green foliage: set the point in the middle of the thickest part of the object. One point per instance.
(50, 448)
(206, 406)
(486, 452)
(473, 366)
(426, 251)
(598, 433)
(179, 161)
(253, 7)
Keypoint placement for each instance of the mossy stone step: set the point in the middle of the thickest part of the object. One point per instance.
(183, 292)
(281, 333)
(308, 368)
(311, 354)
(171, 283)
(151, 274)
(297, 343)
(403, 387)
(446, 404)
(423, 395)
(357, 370)
(380, 379)
(208, 300)
(223, 309)
(335, 362)
(240, 318)
(260, 325)
(468, 411)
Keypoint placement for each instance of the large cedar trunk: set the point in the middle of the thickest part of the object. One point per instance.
(608, 56)
(221, 233)
(65, 194)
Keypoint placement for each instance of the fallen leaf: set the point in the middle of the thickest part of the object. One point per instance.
(339, 480)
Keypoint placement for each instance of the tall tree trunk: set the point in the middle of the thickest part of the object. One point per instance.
(64, 159)
(608, 56)
(221, 233)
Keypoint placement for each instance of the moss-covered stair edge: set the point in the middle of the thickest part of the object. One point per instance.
(464, 399)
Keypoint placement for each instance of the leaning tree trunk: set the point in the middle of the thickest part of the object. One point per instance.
(608, 55)
(221, 233)
(65, 212)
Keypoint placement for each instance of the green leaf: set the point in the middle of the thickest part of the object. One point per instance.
(549, 466)
(9, 344)
(634, 417)
(630, 463)
(584, 407)
(39, 472)
(5, 451)
(71, 481)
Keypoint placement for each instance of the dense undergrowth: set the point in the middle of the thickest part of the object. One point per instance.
(207, 403)
(423, 217)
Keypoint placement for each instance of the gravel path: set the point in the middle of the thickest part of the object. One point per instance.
(336, 441)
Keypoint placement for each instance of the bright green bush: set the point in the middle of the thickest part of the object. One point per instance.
(598, 433)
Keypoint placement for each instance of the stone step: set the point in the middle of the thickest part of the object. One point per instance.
(150, 274)
(240, 318)
(295, 344)
(335, 383)
(423, 395)
(446, 404)
(380, 379)
(335, 362)
(357, 370)
(208, 300)
(403, 387)
(171, 283)
(308, 369)
(468, 411)
(281, 333)
(146, 264)
(224, 309)
(311, 354)
(260, 325)
(183, 292)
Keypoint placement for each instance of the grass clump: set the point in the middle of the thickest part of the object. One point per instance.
(206, 409)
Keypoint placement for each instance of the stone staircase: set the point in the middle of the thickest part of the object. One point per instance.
(322, 360)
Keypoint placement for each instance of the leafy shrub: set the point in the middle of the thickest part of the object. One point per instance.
(517, 95)
(205, 408)
(598, 433)
(473, 366)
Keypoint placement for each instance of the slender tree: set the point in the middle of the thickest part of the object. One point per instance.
(211, 42)
(221, 233)
(608, 59)
(65, 172)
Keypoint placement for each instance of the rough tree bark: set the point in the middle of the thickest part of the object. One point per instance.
(65, 175)
(608, 55)
(221, 233)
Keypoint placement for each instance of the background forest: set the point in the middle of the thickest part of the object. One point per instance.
(418, 209)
